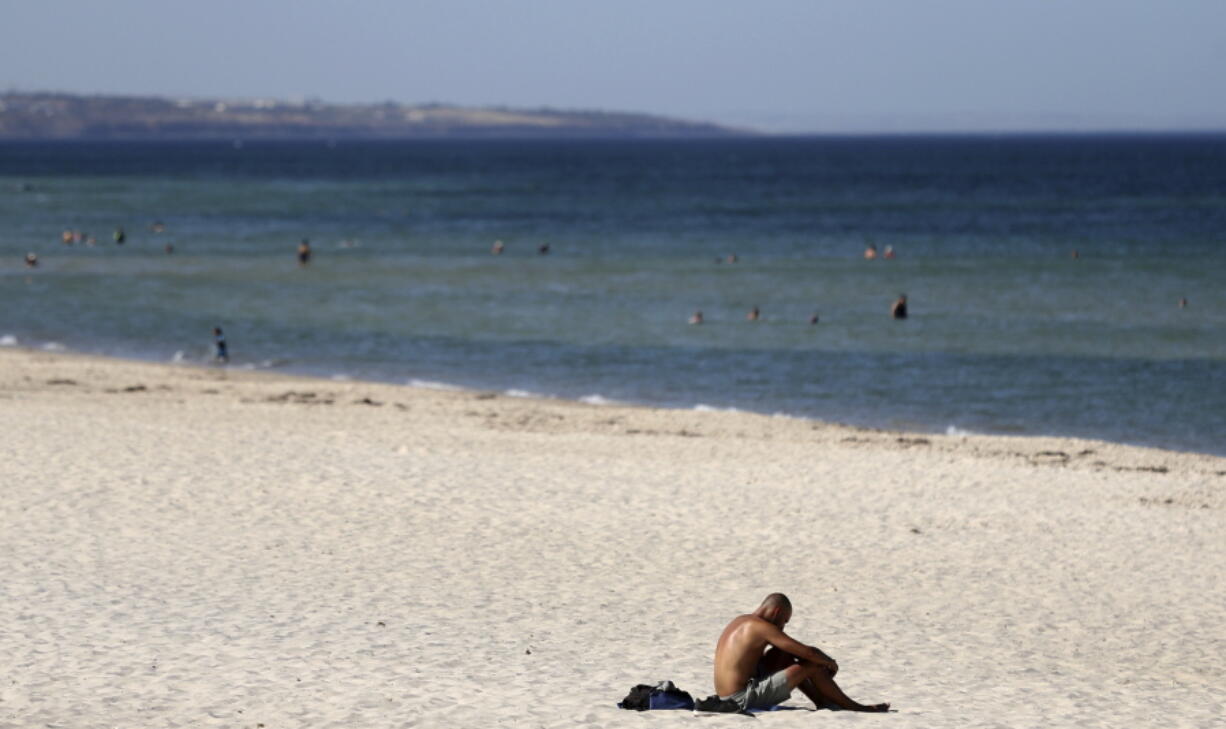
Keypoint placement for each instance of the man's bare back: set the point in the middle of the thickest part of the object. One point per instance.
(739, 651)
(757, 664)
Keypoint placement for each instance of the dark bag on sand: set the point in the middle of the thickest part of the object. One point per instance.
(663, 695)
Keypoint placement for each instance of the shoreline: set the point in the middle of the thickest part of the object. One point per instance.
(611, 417)
(592, 400)
(203, 547)
(616, 418)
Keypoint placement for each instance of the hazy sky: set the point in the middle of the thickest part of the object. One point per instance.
(784, 65)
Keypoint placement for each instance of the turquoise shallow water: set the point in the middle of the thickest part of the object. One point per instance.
(1008, 333)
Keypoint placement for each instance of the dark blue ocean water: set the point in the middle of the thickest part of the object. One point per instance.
(1007, 333)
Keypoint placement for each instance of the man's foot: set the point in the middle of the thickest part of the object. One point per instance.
(875, 708)
(871, 709)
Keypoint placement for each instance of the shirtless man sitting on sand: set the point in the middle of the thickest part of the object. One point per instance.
(757, 665)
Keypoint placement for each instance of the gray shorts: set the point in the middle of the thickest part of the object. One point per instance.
(763, 692)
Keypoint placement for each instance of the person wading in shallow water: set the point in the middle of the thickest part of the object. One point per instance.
(757, 665)
(221, 353)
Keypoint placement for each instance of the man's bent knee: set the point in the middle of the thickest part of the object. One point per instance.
(817, 669)
(797, 674)
(776, 660)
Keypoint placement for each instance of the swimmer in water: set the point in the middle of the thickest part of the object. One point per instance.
(543, 249)
(120, 236)
(888, 253)
(304, 252)
(899, 309)
(31, 260)
(697, 318)
(497, 248)
(870, 252)
(753, 314)
(813, 319)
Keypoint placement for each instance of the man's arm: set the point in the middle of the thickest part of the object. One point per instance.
(787, 644)
(832, 664)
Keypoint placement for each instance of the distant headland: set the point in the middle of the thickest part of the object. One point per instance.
(47, 116)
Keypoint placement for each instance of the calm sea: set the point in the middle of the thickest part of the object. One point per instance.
(1008, 332)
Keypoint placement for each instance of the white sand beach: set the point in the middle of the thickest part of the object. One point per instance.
(191, 547)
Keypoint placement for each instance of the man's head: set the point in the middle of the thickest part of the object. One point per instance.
(776, 608)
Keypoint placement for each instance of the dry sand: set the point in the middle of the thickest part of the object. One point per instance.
(186, 547)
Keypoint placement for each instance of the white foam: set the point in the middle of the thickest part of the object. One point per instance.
(521, 393)
(431, 385)
(702, 408)
(597, 400)
(179, 356)
(341, 378)
(53, 347)
(956, 431)
(8, 340)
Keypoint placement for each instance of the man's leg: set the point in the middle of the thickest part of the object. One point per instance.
(818, 684)
(813, 681)
(774, 660)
